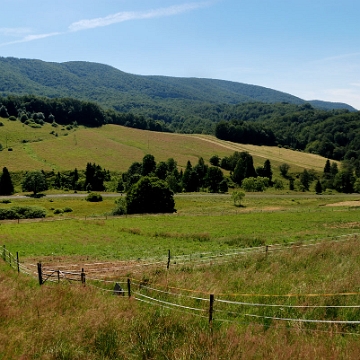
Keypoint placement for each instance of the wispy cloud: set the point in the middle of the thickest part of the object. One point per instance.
(28, 38)
(133, 15)
(104, 21)
(14, 31)
(336, 58)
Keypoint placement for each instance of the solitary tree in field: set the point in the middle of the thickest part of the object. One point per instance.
(6, 185)
(238, 197)
(34, 181)
(150, 195)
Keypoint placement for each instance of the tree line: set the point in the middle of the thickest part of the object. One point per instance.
(67, 111)
(334, 134)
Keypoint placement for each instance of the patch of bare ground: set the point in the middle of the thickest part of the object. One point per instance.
(94, 269)
(348, 225)
(351, 203)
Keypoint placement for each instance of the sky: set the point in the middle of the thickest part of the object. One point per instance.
(310, 49)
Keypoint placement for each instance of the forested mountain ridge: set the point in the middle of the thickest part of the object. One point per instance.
(142, 95)
(93, 94)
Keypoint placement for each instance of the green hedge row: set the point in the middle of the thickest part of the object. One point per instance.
(22, 212)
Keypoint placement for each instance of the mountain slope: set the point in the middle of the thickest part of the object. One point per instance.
(127, 92)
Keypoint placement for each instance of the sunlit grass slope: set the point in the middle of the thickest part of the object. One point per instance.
(116, 148)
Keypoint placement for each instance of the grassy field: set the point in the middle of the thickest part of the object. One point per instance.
(309, 271)
(252, 290)
(116, 148)
(202, 223)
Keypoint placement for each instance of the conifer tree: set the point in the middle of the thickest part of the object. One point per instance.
(6, 185)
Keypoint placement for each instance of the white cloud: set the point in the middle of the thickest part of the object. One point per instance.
(104, 21)
(28, 38)
(132, 15)
(14, 31)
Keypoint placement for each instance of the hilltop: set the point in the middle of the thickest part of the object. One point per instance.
(146, 95)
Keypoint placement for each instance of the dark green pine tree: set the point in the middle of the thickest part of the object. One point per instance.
(267, 172)
(6, 185)
(318, 187)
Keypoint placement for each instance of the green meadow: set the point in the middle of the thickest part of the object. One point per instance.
(262, 298)
(313, 276)
(202, 223)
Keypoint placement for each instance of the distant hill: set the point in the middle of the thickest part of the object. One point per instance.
(154, 96)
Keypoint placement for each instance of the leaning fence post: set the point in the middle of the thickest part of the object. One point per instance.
(168, 262)
(211, 308)
(40, 273)
(17, 261)
(82, 276)
(129, 287)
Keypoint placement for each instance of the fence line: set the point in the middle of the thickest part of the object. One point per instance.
(56, 275)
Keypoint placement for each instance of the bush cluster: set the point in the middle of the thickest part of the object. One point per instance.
(22, 212)
(94, 197)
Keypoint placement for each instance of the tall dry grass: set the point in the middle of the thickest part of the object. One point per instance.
(64, 321)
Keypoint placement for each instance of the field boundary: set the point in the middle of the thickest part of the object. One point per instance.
(209, 305)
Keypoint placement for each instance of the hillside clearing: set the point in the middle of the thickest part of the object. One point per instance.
(116, 148)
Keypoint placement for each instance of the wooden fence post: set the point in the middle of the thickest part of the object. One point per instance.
(168, 262)
(83, 276)
(40, 273)
(4, 253)
(17, 261)
(129, 287)
(10, 259)
(267, 250)
(211, 308)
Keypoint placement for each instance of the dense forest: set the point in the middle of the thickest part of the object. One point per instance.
(333, 134)
(33, 111)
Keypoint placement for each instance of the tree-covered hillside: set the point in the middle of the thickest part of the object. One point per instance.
(159, 97)
(93, 94)
(333, 134)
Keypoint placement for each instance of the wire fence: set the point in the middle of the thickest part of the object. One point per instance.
(313, 311)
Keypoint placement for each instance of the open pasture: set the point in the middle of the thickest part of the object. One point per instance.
(115, 148)
(203, 223)
(252, 290)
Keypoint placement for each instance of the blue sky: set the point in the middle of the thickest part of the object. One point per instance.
(309, 49)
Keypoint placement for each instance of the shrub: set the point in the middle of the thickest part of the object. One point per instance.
(6, 201)
(1, 123)
(278, 184)
(23, 118)
(22, 212)
(120, 207)
(67, 210)
(94, 197)
(35, 126)
(238, 197)
(58, 211)
(12, 118)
